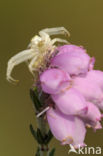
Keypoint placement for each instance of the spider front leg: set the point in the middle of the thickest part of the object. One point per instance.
(56, 31)
(59, 40)
(17, 59)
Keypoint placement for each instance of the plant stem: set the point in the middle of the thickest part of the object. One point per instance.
(43, 128)
(42, 134)
(42, 125)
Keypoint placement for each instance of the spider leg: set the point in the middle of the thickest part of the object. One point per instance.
(44, 36)
(17, 59)
(31, 64)
(59, 40)
(56, 31)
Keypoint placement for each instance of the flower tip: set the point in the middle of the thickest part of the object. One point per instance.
(91, 63)
(88, 126)
(97, 126)
(98, 119)
(83, 111)
(67, 140)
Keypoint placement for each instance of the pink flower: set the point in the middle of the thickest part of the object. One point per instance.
(90, 87)
(66, 129)
(77, 92)
(57, 83)
(70, 102)
(73, 59)
(52, 80)
(93, 116)
(97, 77)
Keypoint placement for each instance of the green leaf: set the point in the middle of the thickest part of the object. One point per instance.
(48, 137)
(51, 153)
(38, 95)
(34, 96)
(33, 132)
(40, 138)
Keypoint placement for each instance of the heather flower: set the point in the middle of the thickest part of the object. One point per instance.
(93, 116)
(52, 80)
(57, 83)
(90, 88)
(97, 77)
(73, 59)
(70, 102)
(66, 129)
(77, 92)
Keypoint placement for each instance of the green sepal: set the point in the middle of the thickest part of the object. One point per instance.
(37, 135)
(51, 153)
(35, 98)
(33, 132)
(48, 137)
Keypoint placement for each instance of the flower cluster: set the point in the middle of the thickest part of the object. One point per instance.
(77, 92)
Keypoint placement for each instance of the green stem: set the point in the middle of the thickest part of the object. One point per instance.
(43, 153)
(43, 128)
(42, 125)
(43, 135)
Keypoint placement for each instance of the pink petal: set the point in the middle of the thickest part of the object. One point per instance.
(93, 115)
(97, 126)
(67, 129)
(70, 49)
(70, 102)
(91, 63)
(73, 59)
(89, 89)
(52, 79)
(97, 77)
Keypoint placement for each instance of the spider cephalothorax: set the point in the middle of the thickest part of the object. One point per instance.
(40, 48)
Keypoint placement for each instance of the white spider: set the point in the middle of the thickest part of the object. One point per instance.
(39, 47)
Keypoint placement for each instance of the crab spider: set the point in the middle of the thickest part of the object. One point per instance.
(40, 46)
